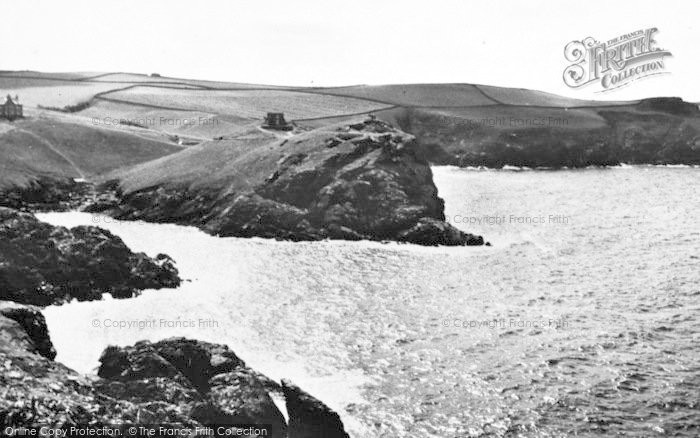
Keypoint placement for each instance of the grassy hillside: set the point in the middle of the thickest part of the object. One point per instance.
(521, 96)
(70, 76)
(195, 124)
(37, 147)
(416, 94)
(26, 158)
(457, 95)
(133, 78)
(251, 104)
(237, 163)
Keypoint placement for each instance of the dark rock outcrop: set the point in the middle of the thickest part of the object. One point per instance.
(35, 389)
(431, 230)
(360, 181)
(46, 194)
(206, 383)
(41, 264)
(27, 326)
(309, 417)
(175, 382)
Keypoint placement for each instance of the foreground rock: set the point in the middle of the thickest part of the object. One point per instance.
(359, 181)
(24, 327)
(41, 264)
(192, 381)
(175, 382)
(309, 417)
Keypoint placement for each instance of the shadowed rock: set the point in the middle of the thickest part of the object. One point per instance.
(176, 381)
(42, 264)
(26, 325)
(206, 382)
(309, 417)
(137, 384)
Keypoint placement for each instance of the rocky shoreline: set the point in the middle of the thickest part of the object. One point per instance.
(175, 383)
(362, 181)
(47, 194)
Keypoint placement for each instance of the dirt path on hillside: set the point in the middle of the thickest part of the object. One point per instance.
(49, 145)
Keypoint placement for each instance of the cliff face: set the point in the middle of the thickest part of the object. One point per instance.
(360, 181)
(41, 264)
(653, 131)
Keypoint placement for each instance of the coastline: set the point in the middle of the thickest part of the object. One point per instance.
(243, 255)
(60, 321)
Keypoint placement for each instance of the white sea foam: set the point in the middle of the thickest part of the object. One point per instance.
(217, 303)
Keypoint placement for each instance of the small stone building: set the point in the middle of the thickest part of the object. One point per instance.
(11, 109)
(276, 121)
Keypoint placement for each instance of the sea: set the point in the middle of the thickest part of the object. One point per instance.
(582, 319)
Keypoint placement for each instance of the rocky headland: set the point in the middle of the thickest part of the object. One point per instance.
(358, 181)
(651, 131)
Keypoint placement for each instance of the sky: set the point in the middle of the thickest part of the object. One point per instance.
(327, 43)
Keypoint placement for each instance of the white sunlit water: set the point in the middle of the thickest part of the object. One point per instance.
(582, 318)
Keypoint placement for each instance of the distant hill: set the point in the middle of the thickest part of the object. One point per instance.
(460, 124)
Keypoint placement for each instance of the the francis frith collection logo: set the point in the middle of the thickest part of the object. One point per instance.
(616, 62)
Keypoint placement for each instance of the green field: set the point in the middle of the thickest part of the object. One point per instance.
(195, 124)
(163, 80)
(416, 94)
(49, 93)
(252, 104)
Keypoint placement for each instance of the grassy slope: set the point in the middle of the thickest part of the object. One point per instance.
(164, 80)
(32, 148)
(25, 158)
(196, 124)
(46, 75)
(521, 96)
(416, 94)
(235, 164)
(252, 104)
